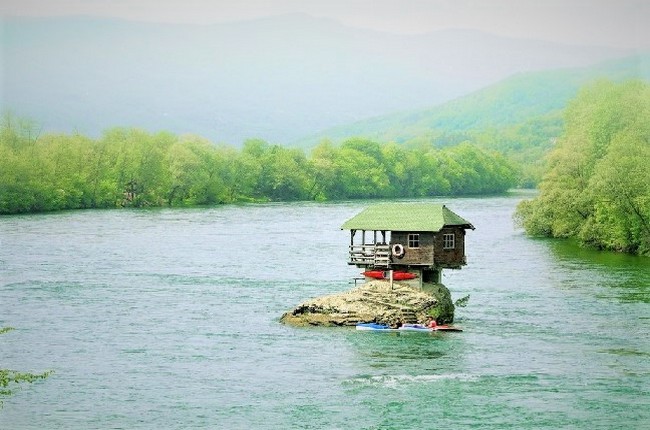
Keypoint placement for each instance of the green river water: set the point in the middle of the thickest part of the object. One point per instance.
(169, 319)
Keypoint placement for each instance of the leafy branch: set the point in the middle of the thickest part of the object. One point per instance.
(9, 378)
(462, 302)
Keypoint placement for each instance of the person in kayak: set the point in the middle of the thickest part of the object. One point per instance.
(431, 322)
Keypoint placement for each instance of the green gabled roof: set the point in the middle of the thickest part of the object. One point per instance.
(405, 217)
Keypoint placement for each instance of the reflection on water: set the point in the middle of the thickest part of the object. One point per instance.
(626, 277)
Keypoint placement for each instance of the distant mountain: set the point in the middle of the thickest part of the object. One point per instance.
(518, 99)
(277, 78)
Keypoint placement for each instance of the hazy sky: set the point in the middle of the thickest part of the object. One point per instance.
(619, 23)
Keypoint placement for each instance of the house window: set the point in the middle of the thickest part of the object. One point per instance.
(449, 241)
(414, 240)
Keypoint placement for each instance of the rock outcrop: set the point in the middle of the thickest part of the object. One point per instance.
(375, 301)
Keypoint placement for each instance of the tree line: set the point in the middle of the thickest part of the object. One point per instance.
(132, 167)
(597, 186)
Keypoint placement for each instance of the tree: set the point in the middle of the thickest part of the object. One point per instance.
(323, 173)
(360, 174)
(196, 173)
(282, 172)
(597, 187)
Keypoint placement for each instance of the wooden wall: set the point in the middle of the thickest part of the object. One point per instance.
(422, 255)
(431, 245)
(450, 257)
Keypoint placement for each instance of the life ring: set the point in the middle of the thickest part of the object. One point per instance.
(398, 250)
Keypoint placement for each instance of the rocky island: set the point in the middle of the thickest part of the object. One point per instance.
(402, 248)
(375, 301)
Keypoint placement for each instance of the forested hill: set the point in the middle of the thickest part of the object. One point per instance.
(522, 98)
(519, 117)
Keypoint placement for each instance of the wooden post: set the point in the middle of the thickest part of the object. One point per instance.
(390, 275)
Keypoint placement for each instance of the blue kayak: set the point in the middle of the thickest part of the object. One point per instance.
(405, 327)
(374, 326)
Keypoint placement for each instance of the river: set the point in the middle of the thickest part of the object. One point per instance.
(168, 318)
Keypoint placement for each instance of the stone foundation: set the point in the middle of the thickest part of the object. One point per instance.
(375, 301)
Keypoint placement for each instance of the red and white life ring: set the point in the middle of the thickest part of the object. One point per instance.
(398, 250)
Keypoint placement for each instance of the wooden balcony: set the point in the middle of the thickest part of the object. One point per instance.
(372, 255)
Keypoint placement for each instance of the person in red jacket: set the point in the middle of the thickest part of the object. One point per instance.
(431, 322)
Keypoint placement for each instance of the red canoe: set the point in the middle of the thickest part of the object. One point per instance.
(403, 276)
(397, 276)
(376, 274)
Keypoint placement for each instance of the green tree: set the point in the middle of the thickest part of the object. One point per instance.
(196, 173)
(140, 170)
(431, 174)
(282, 173)
(65, 162)
(596, 189)
(361, 174)
(323, 178)
(404, 169)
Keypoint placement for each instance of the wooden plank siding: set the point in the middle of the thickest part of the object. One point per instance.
(450, 258)
(414, 256)
(431, 252)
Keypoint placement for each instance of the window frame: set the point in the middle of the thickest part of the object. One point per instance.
(413, 240)
(449, 241)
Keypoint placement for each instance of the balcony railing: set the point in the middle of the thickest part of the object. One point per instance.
(370, 255)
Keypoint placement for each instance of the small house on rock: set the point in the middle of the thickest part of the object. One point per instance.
(407, 242)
